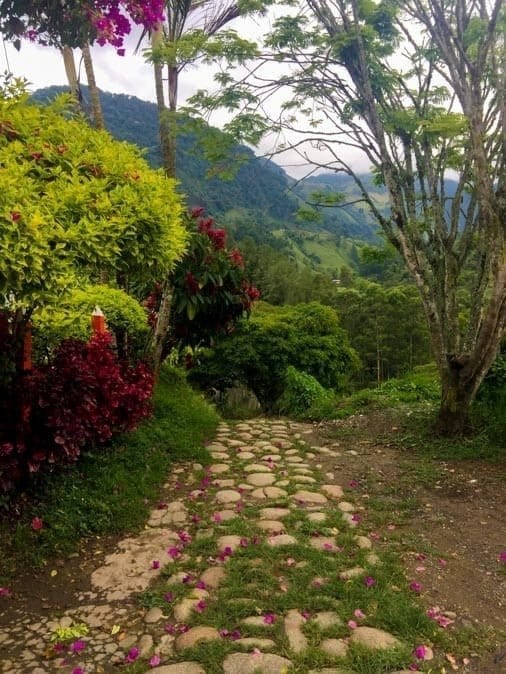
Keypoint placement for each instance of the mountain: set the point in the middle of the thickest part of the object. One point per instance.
(261, 201)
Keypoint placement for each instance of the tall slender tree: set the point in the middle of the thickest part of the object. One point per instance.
(418, 88)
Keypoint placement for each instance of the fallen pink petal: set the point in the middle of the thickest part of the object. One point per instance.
(155, 564)
(269, 618)
(415, 587)
(5, 592)
(155, 660)
(369, 581)
(502, 557)
(352, 625)
(420, 652)
(169, 596)
(200, 606)
(132, 655)
(78, 670)
(174, 552)
(37, 524)
(358, 613)
(78, 646)
(217, 517)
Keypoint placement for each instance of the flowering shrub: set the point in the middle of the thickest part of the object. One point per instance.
(81, 398)
(210, 289)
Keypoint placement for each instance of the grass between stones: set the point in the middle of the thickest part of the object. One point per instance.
(110, 489)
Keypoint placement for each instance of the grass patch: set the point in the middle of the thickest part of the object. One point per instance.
(110, 489)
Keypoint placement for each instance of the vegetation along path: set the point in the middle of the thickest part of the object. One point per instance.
(259, 563)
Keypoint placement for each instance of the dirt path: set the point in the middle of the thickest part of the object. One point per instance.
(279, 488)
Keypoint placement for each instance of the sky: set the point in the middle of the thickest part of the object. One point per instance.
(130, 74)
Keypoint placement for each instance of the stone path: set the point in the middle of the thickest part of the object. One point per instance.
(265, 480)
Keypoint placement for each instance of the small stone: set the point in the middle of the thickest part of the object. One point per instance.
(255, 621)
(335, 647)
(293, 623)
(282, 539)
(326, 619)
(225, 515)
(372, 559)
(218, 468)
(261, 479)
(323, 543)
(184, 610)
(351, 573)
(256, 468)
(232, 541)
(283, 483)
(333, 490)
(316, 517)
(145, 645)
(196, 635)
(213, 576)
(180, 668)
(253, 663)
(244, 456)
(274, 513)
(309, 497)
(258, 642)
(271, 525)
(223, 456)
(363, 542)
(224, 483)
(294, 459)
(305, 479)
(153, 615)
(346, 507)
(227, 496)
(370, 637)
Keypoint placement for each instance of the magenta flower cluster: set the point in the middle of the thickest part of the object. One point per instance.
(112, 19)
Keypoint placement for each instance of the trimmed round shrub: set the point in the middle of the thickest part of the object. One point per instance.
(302, 391)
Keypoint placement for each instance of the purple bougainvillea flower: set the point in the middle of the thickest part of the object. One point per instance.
(353, 484)
(234, 635)
(200, 606)
(352, 625)
(502, 557)
(155, 564)
(414, 667)
(5, 592)
(132, 654)
(184, 537)
(415, 587)
(195, 519)
(170, 628)
(356, 518)
(174, 552)
(269, 618)
(155, 660)
(255, 540)
(201, 585)
(305, 614)
(186, 579)
(420, 652)
(182, 628)
(442, 563)
(162, 505)
(78, 670)
(217, 517)
(78, 646)
(358, 613)
(369, 581)
(37, 524)
(59, 648)
(328, 546)
(169, 596)
(244, 543)
(223, 632)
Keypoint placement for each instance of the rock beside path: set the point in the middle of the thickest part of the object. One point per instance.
(253, 663)
(370, 637)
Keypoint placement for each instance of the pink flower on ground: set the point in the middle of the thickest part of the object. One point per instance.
(186, 579)
(244, 543)
(174, 552)
(162, 505)
(132, 654)
(256, 653)
(305, 614)
(352, 625)
(369, 581)
(78, 646)
(442, 563)
(182, 628)
(234, 635)
(269, 618)
(420, 652)
(170, 628)
(37, 524)
(353, 484)
(415, 587)
(356, 518)
(59, 648)
(358, 614)
(255, 540)
(290, 561)
(184, 537)
(420, 556)
(155, 660)
(155, 564)
(217, 517)
(201, 585)
(414, 667)
(420, 569)
(5, 592)
(78, 670)
(223, 632)
(502, 557)
(328, 546)
(200, 606)
(443, 621)
(195, 519)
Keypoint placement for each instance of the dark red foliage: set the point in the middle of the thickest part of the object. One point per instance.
(81, 399)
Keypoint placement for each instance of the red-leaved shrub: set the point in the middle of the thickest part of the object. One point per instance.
(80, 399)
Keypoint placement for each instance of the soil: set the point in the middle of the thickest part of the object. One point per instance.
(454, 512)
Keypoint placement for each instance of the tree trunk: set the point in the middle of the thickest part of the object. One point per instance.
(96, 108)
(168, 147)
(457, 394)
(70, 71)
(161, 329)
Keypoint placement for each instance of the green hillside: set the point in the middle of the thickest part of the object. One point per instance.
(260, 202)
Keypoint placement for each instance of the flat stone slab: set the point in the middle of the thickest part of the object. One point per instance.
(196, 635)
(261, 479)
(346, 507)
(224, 483)
(268, 492)
(309, 497)
(223, 456)
(180, 668)
(332, 490)
(224, 515)
(258, 642)
(153, 615)
(293, 630)
(316, 517)
(282, 539)
(256, 468)
(326, 619)
(227, 496)
(218, 468)
(370, 637)
(304, 479)
(255, 621)
(294, 459)
(274, 513)
(244, 456)
(272, 458)
(273, 526)
(363, 542)
(335, 647)
(232, 541)
(324, 543)
(213, 576)
(254, 663)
